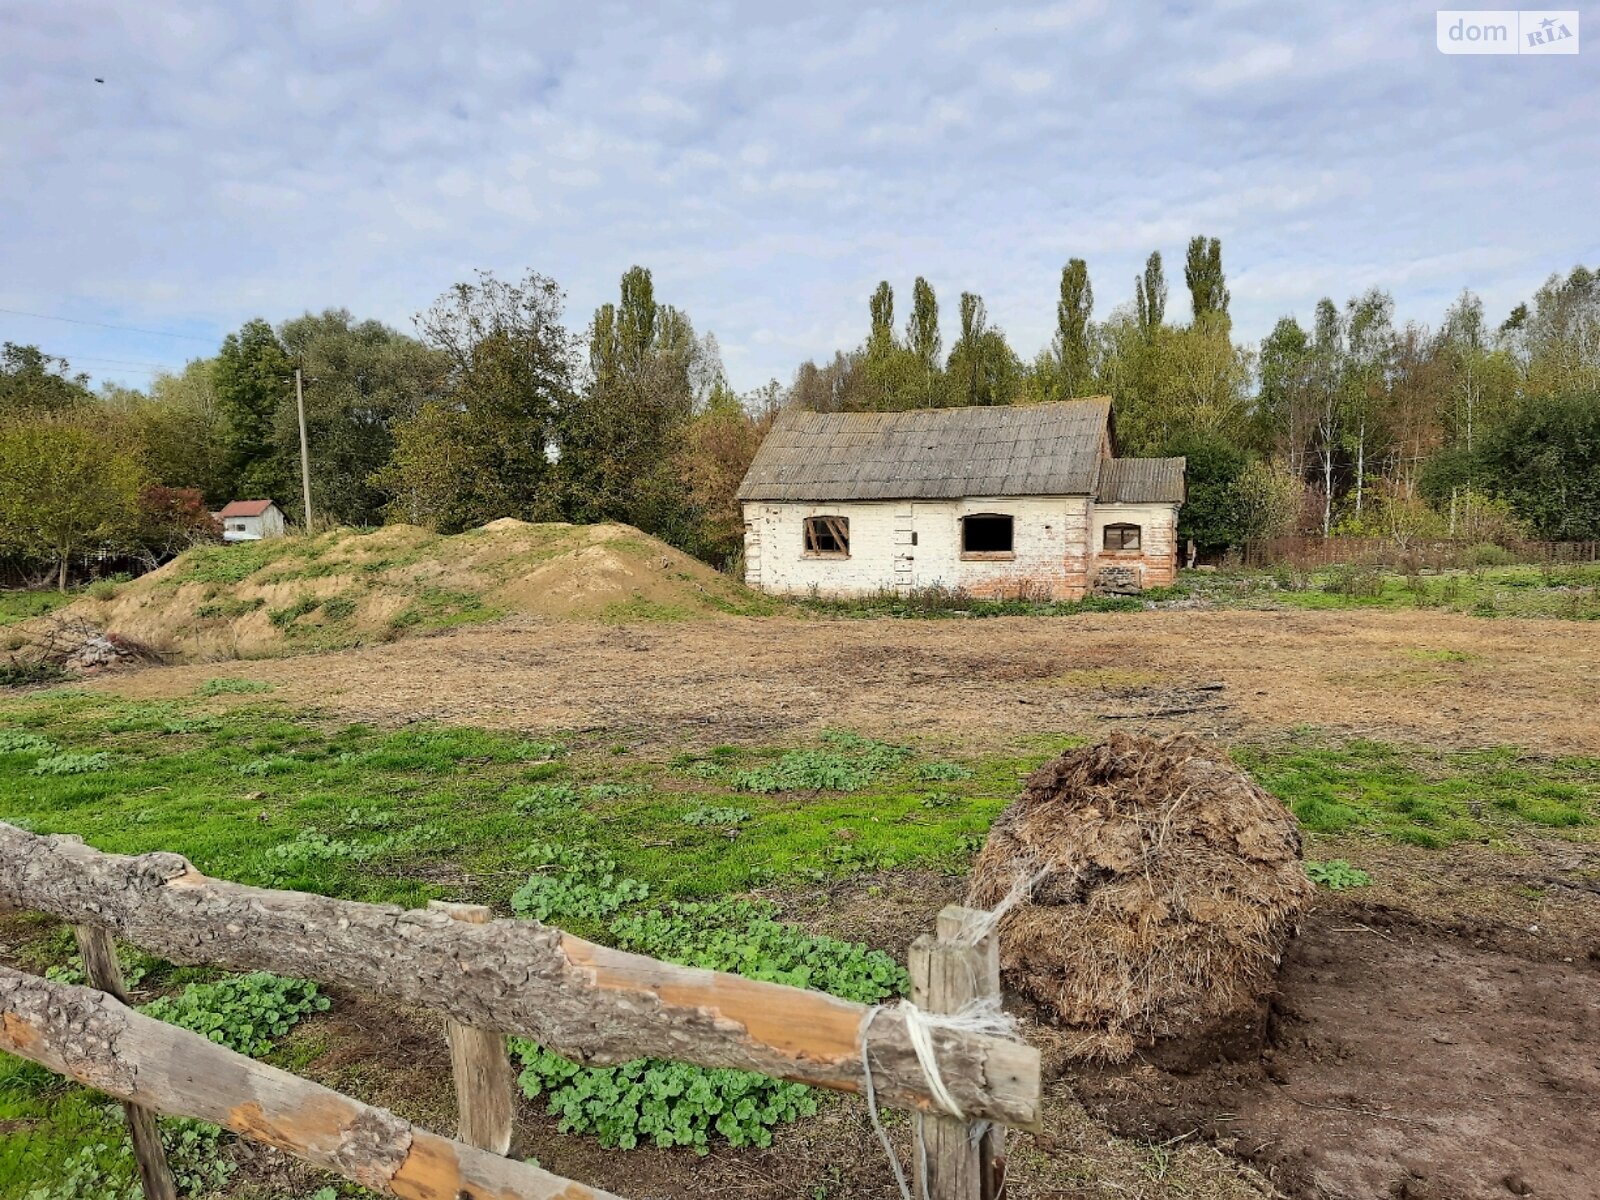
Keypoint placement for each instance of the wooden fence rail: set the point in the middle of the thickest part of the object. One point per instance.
(497, 977)
(92, 1037)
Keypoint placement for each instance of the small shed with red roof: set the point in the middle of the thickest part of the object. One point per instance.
(250, 520)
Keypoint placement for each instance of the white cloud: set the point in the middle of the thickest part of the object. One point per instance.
(1247, 66)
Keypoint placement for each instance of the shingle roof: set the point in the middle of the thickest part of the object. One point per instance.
(245, 508)
(1141, 481)
(931, 454)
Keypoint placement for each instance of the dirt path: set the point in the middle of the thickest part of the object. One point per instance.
(1443, 679)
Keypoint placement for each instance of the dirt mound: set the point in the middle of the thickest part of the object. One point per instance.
(348, 587)
(1166, 884)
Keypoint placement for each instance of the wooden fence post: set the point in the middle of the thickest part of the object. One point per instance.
(481, 1064)
(99, 953)
(963, 1160)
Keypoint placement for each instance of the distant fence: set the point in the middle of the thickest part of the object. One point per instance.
(489, 978)
(1433, 554)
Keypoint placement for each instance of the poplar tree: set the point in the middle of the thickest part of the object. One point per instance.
(1072, 327)
(1150, 295)
(1202, 271)
(922, 335)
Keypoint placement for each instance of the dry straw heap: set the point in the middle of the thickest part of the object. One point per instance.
(1165, 884)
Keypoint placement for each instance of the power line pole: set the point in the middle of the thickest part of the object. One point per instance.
(305, 453)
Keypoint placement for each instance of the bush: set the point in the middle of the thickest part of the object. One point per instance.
(1487, 554)
(1365, 582)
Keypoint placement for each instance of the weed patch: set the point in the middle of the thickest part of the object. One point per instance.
(232, 687)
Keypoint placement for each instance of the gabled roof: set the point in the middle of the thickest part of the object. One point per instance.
(1141, 481)
(931, 454)
(245, 508)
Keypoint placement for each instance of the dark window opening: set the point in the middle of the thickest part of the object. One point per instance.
(828, 535)
(988, 533)
(1122, 537)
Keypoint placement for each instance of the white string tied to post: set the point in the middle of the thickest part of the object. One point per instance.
(980, 1017)
(984, 1017)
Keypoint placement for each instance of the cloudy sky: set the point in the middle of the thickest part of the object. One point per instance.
(769, 162)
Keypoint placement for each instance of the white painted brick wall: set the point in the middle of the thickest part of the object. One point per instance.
(1157, 555)
(1051, 548)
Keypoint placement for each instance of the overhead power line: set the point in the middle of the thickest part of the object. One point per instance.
(17, 312)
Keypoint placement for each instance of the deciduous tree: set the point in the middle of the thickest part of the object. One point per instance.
(482, 449)
(66, 486)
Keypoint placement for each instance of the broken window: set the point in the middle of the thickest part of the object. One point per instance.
(828, 535)
(1122, 537)
(986, 533)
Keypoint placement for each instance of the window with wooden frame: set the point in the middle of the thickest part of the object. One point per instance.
(988, 535)
(828, 537)
(1122, 537)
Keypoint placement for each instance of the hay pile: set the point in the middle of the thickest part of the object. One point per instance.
(1166, 885)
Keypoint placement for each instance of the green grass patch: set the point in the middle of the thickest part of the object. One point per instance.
(1570, 592)
(440, 608)
(1427, 798)
(23, 606)
(232, 687)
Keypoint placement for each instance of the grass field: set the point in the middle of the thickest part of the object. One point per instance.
(253, 790)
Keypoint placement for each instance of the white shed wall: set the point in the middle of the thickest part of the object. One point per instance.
(1050, 547)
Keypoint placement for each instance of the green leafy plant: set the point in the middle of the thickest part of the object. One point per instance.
(574, 883)
(673, 1104)
(24, 741)
(664, 1103)
(310, 846)
(545, 798)
(746, 938)
(942, 772)
(134, 966)
(1336, 875)
(246, 1013)
(716, 816)
(72, 764)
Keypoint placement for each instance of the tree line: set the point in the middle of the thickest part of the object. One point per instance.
(1351, 424)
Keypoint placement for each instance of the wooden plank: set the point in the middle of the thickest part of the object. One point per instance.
(481, 1065)
(89, 1036)
(588, 1002)
(99, 953)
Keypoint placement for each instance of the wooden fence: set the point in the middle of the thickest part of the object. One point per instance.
(1311, 552)
(490, 978)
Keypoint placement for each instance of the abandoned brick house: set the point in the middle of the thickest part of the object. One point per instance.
(1023, 501)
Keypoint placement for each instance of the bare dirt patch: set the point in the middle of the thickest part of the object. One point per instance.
(1231, 674)
(1405, 1060)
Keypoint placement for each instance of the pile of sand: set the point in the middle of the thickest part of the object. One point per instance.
(347, 587)
(1167, 884)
